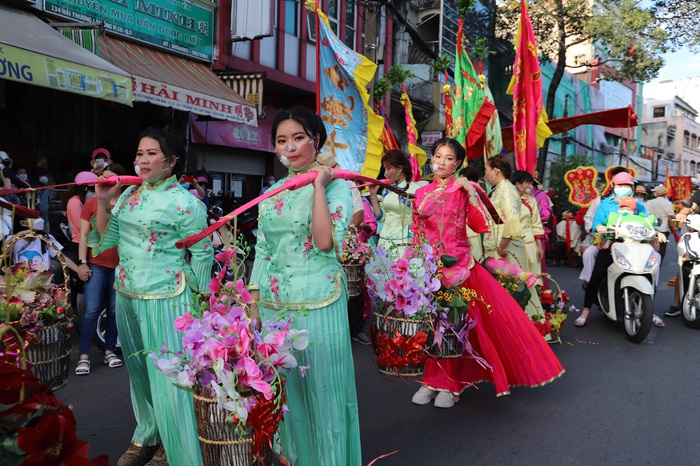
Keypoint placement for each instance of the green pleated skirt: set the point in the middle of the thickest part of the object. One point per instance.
(322, 426)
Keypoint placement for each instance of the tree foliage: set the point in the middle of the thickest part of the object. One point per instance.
(680, 20)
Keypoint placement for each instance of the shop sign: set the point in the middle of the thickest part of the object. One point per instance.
(181, 26)
(428, 138)
(148, 90)
(33, 68)
(226, 133)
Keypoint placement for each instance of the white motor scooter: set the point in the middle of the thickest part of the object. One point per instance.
(689, 272)
(627, 293)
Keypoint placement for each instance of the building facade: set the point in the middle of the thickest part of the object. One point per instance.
(672, 136)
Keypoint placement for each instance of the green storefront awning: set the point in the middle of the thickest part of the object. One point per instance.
(32, 52)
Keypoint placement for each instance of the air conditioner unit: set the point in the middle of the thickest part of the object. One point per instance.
(252, 19)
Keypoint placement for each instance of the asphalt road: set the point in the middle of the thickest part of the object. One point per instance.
(618, 403)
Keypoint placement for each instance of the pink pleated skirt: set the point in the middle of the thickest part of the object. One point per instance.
(504, 337)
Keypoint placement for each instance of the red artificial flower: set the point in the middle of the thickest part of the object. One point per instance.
(540, 328)
(547, 298)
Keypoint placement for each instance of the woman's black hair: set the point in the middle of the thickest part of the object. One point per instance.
(308, 119)
(398, 158)
(502, 163)
(521, 176)
(457, 148)
(171, 146)
(470, 173)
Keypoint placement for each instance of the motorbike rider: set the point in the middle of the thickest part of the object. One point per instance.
(623, 186)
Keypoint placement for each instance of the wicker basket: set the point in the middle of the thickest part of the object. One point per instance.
(451, 346)
(383, 329)
(355, 274)
(49, 359)
(219, 442)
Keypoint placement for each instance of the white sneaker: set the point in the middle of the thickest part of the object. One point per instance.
(423, 396)
(445, 400)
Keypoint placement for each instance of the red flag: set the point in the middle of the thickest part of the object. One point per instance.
(527, 94)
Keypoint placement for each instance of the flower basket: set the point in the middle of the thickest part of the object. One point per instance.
(355, 274)
(356, 253)
(223, 442)
(452, 344)
(556, 307)
(32, 303)
(234, 367)
(399, 344)
(49, 360)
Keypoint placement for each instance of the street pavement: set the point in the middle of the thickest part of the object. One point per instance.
(618, 403)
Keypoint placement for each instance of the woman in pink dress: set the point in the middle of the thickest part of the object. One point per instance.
(504, 337)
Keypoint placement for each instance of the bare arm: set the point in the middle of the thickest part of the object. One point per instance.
(85, 228)
(321, 222)
(104, 210)
(357, 218)
(376, 209)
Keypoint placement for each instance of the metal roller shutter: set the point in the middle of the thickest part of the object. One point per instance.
(242, 162)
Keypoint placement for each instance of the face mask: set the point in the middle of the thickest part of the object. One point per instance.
(22, 176)
(44, 179)
(623, 192)
(137, 167)
(99, 164)
(90, 195)
(186, 185)
(2, 166)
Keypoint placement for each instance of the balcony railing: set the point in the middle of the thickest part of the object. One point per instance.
(416, 56)
(420, 92)
(422, 4)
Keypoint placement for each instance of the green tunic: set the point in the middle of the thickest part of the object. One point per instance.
(154, 282)
(296, 278)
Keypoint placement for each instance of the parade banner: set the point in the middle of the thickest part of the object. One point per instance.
(581, 182)
(28, 67)
(354, 130)
(682, 187)
(529, 116)
(418, 156)
(471, 110)
(388, 137)
(668, 185)
(616, 118)
(182, 26)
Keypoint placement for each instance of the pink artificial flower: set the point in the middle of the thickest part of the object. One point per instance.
(226, 255)
(400, 268)
(183, 321)
(214, 286)
(218, 349)
(243, 292)
(453, 276)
